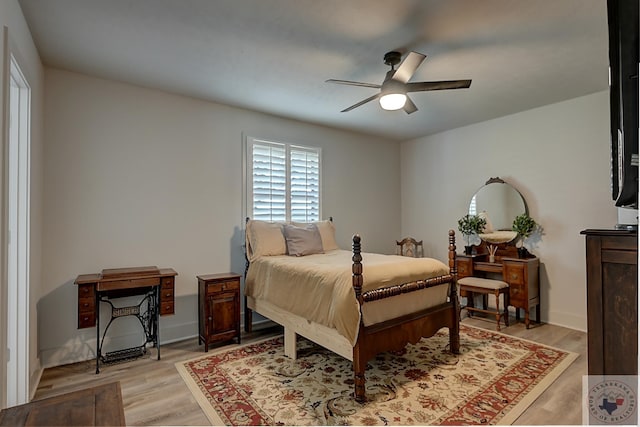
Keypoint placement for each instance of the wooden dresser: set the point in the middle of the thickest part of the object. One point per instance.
(520, 273)
(612, 301)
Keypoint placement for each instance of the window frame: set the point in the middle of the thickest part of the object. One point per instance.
(247, 171)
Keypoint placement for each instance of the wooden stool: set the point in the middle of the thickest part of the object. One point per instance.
(477, 285)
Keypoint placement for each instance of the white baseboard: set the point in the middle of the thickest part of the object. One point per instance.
(84, 346)
(568, 320)
(174, 333)
(34, 380)
(557, 318)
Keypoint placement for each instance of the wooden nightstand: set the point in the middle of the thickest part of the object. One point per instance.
(219, 308)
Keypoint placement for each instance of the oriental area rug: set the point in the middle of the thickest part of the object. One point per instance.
(494, 379)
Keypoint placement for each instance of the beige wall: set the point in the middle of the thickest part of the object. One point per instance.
(557, 156)
(21, 45)
(141, 177)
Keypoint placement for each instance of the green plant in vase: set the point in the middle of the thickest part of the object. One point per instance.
(469, 225)
(524, 225)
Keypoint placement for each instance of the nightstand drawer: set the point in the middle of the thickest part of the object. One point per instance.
(230, 285)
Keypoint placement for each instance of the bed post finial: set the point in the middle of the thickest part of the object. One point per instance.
(356, 268)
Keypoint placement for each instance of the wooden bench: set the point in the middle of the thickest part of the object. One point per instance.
(477, 285)
(95, 406)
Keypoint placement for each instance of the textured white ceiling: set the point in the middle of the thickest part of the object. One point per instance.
(275, 55)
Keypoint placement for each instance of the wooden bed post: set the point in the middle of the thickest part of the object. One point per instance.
(248, 314)
(359, 362)
(454, 331)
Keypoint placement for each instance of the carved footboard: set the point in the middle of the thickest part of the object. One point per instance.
(394, 334)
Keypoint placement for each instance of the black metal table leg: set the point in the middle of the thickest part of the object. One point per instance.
(98, 349)
(157, 320)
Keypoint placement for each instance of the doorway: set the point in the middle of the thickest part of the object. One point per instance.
(17, 207)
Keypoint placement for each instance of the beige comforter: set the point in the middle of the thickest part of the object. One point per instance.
(319, 287)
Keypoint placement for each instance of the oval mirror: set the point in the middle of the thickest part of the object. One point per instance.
(498, 203)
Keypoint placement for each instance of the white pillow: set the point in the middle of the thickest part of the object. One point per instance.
(264, 238)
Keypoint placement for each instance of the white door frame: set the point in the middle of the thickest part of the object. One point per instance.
(16, 230)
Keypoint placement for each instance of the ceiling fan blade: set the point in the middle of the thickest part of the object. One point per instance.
(408, 67)
(445, 84)
(409, 106)
(350, 83)
(371, 98)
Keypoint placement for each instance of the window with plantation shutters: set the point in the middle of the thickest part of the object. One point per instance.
(283, 181)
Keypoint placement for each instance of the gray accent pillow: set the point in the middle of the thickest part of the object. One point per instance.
(303, 241)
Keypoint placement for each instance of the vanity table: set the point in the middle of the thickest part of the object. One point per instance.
(521, 274)
(500, 203)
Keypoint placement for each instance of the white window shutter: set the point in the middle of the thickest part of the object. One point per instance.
(283, 181)
(269, 178)
(305, 185)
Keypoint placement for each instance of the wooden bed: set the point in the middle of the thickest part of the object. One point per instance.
(388, 335)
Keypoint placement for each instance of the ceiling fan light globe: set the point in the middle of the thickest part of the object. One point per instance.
(393, 101)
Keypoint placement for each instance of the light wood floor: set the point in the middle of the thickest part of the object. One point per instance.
(153, 392)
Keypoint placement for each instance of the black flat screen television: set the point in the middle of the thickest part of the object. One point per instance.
(623, 68)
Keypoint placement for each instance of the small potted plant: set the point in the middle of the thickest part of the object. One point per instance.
(524, 225)
(469, 225)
